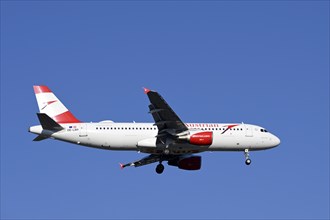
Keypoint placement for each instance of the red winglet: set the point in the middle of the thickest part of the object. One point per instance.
(121, 166)
(146, 90)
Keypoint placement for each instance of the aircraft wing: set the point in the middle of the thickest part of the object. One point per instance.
(165, 118)
(152, 158)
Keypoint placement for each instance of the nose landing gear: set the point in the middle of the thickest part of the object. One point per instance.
(160, 168)
(247, 157)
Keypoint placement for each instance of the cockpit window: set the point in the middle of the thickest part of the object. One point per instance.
(263, 130)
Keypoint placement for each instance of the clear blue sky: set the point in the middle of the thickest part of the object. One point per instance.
(264, 63)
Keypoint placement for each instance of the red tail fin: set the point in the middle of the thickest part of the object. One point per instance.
(49, 104)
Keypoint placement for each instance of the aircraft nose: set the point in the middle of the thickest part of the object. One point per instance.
(276, 141)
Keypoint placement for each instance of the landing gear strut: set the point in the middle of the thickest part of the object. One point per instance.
(160, 168)
(247, 157)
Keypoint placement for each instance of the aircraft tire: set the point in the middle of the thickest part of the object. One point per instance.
(247, 161)
(160, 168)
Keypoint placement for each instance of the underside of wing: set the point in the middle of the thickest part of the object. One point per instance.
(173, 136)
(185, 162)
(152, 158)
(167, 121)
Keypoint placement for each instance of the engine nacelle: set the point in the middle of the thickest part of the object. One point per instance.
(201, 138)
(187, 163)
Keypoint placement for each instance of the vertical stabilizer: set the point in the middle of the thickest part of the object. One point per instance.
(49, 104)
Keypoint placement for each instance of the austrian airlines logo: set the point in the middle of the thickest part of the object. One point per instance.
(228, 127)
(47, 103)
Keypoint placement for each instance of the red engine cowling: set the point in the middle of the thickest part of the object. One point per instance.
(201, 138)
(190, 163)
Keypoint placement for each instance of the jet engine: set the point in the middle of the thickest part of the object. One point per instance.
(199, 138)
(187, 163)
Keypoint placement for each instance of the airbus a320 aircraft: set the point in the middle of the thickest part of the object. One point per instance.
(167, 139)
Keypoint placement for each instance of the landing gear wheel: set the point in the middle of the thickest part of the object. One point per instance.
(247, 157)
(160, 168)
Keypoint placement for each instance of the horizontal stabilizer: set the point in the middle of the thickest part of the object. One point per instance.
(40, 138)
(47, 123)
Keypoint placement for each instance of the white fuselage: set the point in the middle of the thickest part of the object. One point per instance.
(141, 137)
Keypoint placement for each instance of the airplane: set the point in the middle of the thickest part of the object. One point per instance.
(167, 139)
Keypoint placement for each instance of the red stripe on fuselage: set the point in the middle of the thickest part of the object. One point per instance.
(41, 89)
(231, 126)
(66, 117)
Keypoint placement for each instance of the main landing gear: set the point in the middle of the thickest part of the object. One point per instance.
(247, 157)
(160, 168)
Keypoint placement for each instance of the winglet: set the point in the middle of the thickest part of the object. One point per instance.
(121, 166)
(146, 91)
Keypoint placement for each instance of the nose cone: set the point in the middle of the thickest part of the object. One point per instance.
(276, 141)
